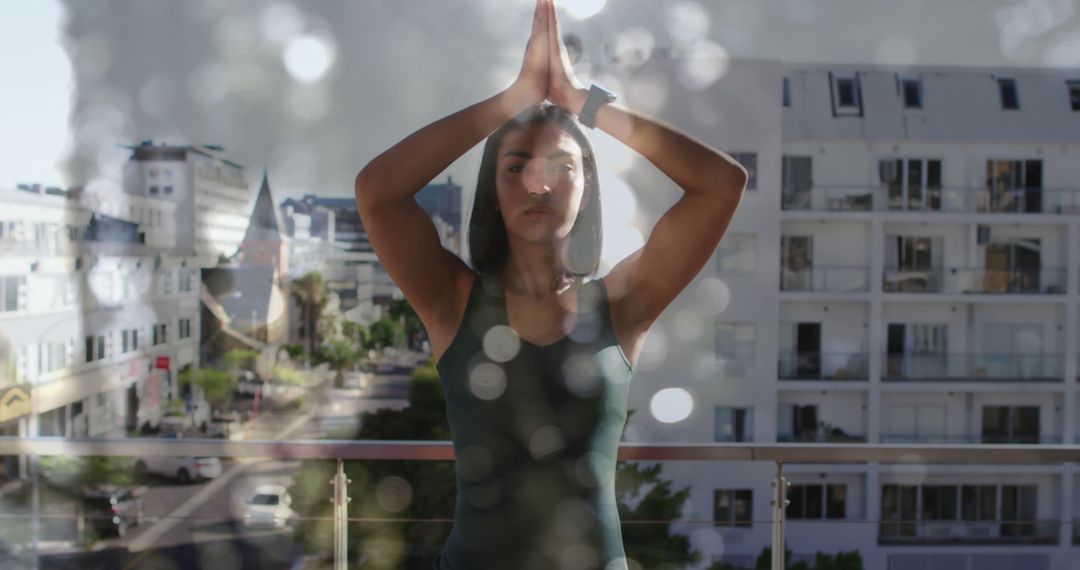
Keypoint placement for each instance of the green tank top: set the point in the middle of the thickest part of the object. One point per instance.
(536, 431)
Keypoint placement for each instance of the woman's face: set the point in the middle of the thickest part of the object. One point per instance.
(539, 183)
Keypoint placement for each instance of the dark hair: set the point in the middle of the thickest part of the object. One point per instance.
(488, 243)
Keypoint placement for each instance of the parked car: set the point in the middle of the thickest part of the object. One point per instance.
(196, 417)
(270, 506)
(112, 509)
(183, 469)
(250, 383)
(226, 426)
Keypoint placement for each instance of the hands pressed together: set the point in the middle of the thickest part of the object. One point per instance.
(546, 72)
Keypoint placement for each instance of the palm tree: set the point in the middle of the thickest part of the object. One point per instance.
(310, 292)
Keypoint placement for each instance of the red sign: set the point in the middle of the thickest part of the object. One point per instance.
(162, 362)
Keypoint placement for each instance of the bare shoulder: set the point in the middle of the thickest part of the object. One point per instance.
(443, 329)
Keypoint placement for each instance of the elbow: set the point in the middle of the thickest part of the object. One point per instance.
(363, 186)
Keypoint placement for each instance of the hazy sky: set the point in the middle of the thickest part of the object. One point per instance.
(313, 90)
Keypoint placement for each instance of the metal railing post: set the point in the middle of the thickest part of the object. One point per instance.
(779, 505)
(341, 517)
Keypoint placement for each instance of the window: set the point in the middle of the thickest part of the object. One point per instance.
(185, 281)
(846, 98)
(1074, 94)
(733, 507)
(978, 502)
(749, 161)
(912, 92)
(939, 502)
(134, 339)
(12, 293)
(1018, 510)
(787, 92)
(796, 181)
(733, 424)
(184, 328)
(1010, 424)
(153, 189)
(1010, 101)
(101, 347)
(168, 189)
(737, 253)
(123, 341)
(89, 349)
(817, 501)
(736, 342)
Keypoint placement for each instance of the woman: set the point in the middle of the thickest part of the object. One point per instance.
(535, 360)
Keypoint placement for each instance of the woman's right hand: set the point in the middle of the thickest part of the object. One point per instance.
(531, 86)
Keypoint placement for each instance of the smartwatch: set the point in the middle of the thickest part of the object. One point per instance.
(597, 96)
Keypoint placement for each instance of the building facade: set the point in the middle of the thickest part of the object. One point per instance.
(904, 267)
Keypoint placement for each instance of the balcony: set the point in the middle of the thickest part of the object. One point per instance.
(823, 366)
(977, 200)
(973, 367)
(1029, 281)
(1014, 439)
(826, 279)
(331, 529)
(925, 532)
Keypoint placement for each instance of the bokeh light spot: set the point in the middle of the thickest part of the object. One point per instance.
(393, 494)
(308, 58)
(581, 9)
(487, 381)
(501, 343)
(671, 405)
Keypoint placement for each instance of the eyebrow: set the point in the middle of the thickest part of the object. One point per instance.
(522, 154)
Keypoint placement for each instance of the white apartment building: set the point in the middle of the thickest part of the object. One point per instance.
(213, 201)
(98, 313)
(905, 267)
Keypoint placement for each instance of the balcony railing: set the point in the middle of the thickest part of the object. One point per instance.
(946, 200)
(973, 367)
(821, 437)
(1022, 531)
(940, 532)
(823, 366)
(1015, 439)
(826, 279)
(1030, 281)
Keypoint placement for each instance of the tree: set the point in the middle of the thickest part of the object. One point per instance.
(311, 293)
(384, 333)
(652, 545)
(340, 355)
(840, 561)
(239, 358)
(356, 333)
(402, 313)
(217, 385)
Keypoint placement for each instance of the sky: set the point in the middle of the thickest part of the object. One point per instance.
(312, 91)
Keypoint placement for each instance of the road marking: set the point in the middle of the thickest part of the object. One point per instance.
(145, 540)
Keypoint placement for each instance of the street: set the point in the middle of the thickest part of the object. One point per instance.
(200, 525)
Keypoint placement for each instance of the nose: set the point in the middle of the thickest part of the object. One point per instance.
(536, 177)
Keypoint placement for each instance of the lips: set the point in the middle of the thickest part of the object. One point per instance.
(539, 210)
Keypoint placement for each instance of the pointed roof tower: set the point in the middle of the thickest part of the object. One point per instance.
(266, 224)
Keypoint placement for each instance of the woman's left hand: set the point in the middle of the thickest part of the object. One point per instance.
(564, 89)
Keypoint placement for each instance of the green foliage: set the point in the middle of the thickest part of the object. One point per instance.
(384, 333)
(290, 376)
(432, 483)
(74, 473)
(295, 351)
(822, 561)
(652, 544)
(239, 357)
(217, 385)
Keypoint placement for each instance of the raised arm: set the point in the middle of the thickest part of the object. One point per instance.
(401, 233)
(684, 238)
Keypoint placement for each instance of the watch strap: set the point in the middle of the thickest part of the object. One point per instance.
(598, 96)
